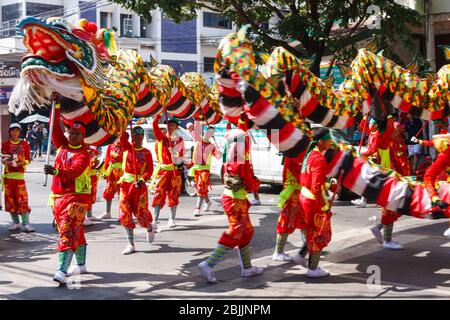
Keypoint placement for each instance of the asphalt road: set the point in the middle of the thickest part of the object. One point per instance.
(167, 268)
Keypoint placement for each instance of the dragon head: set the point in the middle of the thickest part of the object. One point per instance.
(63, 59)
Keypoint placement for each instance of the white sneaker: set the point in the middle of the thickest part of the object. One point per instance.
(171, 223)
(318, 273)
(14, 227)
(207, 206)
(28, 228)
(447, 233)
(298, 259)
(155, 227)
(254, 202)
(129, 249)
(392, 245)
(76, 270)
(377, 234)
(150, 235)
(105, 215)
(359, 203)
(281, 257)
(59, 277)
(207, 272)
(87, 222)
(93, 218)
(197, 213)
(252, 271)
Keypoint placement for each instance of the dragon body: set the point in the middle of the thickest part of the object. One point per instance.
(100, 87)
(282, 92)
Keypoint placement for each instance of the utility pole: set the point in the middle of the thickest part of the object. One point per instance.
(431, 57)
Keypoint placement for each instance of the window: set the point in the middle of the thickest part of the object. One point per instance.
(105, 19)
(11, 12)
(208, 64)
(43, 10)
(213, 20)
(143, 28)
(8, 28)
(126, 25)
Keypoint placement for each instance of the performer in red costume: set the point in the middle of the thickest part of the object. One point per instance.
(94, 172)
(442, 126)
(377, 147)
(314, 201)
(291, 215)
(112, 173)
(239, 180)
(442, 163)
(16, 157)
(203, 151)
(167, 177)
(423, 167)
(133, 190)
(70, 196)
(399, 151)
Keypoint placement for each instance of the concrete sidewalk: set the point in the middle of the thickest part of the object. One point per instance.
(167, 269)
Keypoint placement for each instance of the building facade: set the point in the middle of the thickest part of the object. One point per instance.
(189, 46)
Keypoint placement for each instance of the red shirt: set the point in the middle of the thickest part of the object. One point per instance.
(379, 140)
(144, 160)
(163, 155)
(440, 165)
(313, 177)
(294, 166)
(237, 165)
(114, 154)
(19, 151)
(70, 161)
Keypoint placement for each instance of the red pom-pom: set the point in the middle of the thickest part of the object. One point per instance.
(91, 27)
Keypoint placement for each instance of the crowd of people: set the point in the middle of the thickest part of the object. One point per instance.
(129, 172)
(36, 136)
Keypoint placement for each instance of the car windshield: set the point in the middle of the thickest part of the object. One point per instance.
(181, 133)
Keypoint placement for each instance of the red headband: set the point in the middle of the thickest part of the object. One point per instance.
(79, 126)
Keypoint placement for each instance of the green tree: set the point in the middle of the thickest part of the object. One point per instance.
(316, 27)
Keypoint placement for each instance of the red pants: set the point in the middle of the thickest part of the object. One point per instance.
(291, 216)
(240, 229)
(202, 182)
(16, 196)
(94, 181)
(315, 218)
(112, 185)
(389, 217)
(69, 212)
(168, 182)
(134, 201)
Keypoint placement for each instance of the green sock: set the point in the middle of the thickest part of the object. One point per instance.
(280, 242)
(15, 218)
(157, 210)
(244, 254)
(108, 206)
(25, 218)
(216, 255)
(89, 213)
(313, 261)
(199, 203)
(173, 212)
(130, 236)
(64, 259)
(303, 251)
(80, 255)
(387, 232)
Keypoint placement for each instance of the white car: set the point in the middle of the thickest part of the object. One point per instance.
(149, 143)
(267, 161)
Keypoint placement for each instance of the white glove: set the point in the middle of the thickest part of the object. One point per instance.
(415, 140)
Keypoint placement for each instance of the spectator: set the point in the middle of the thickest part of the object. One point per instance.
(31, 137)
(413, 126)
(39, 140)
